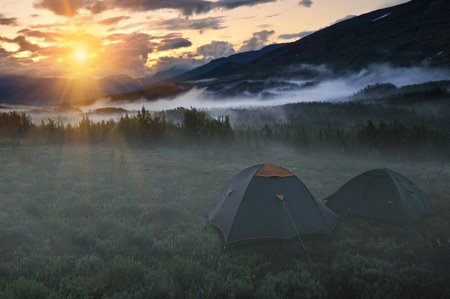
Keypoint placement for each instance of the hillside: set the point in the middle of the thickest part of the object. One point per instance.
(410, 34)
(232, 61)
(51, 91)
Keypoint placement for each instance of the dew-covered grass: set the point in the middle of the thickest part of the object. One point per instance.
(98, 221)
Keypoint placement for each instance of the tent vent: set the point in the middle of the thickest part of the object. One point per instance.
(280, 196)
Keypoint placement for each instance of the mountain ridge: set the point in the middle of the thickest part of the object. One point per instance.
(409, 34)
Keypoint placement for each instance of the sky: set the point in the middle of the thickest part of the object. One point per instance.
(99, 38)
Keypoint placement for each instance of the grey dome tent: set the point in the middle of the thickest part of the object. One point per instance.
(381, 194)
(266, 202)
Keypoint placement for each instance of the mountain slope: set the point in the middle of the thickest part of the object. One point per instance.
(409, 34)
(119, 83)
(235, 60)
(149, 93)
(51, 91)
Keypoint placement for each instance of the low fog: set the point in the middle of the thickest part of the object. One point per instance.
(324, 87)
(328, 89)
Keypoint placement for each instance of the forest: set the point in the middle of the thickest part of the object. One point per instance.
(152, 128)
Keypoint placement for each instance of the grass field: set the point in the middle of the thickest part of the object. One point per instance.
(96, 221)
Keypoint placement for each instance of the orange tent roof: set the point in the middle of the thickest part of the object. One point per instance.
(269, 170)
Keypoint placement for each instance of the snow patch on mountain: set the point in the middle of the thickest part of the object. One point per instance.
(382, 17)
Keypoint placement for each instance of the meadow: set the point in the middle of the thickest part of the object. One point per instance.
(85, 220)
(117, 209)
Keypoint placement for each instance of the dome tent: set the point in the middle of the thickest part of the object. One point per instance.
(265, 202)
(381, 194)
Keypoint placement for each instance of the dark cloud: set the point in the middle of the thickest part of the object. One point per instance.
(8, 21)
(295, 35)
(257, 41)
(70, 8)
(192, 24)
(22, 42)
(306, 3)
(229, 4)
(112, 21)
(46, 36)
(173, 43)
(187, 7)
(25, 45)
(215, 49)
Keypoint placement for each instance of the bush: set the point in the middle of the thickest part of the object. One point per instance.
(14, 124)
(25, 289)
(297, 284)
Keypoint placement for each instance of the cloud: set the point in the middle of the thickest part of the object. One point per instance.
(129, 53)
(230, 4)
(112, 21)
(173, 43)
(306, 3)
(191, 24)
(70, 8)
(257, 41)
(343, 19)
(181, 62)
(8, 64)
(8, 21)
(25, 45)
(3, 52)
(295, 35)
(22, 42)
(46, 36)
(216, 49)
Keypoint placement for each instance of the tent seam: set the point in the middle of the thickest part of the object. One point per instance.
(242, 198)
(393, 179)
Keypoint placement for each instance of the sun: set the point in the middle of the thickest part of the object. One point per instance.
(80, 55)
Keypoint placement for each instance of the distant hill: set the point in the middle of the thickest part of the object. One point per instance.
(119, 83)
(170, 73)
(232, 61)
(430, 92)
(410, 34)
(23, 89)
(51, 91)
(149, 93)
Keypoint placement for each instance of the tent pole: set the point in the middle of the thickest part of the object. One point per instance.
(298, 234)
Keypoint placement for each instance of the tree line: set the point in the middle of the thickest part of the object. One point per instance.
(147, 127)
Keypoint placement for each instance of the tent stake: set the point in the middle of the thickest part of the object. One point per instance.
(298, 234)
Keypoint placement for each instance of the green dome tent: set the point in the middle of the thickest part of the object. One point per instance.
(383, 195)
(266, 202)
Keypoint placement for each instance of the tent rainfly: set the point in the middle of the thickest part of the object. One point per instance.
(383, 195)
(268, 202)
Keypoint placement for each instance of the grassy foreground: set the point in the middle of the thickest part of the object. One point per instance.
(95, 221)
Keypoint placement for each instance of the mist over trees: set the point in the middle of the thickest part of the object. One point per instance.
(147, 127)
